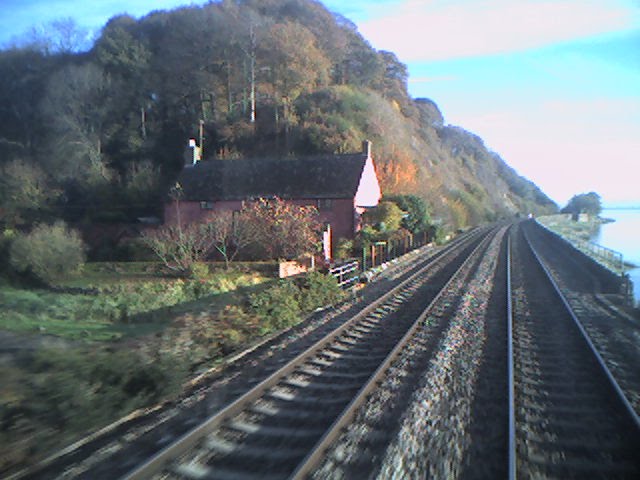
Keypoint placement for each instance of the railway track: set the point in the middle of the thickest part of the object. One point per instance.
(590, 295)
(414, 425)
(570, 418)
(280, 427)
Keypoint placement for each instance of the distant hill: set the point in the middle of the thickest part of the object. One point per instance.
(106, 129)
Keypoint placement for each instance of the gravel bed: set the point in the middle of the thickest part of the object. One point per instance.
(435, 364)
(485, 457)
(433, 436)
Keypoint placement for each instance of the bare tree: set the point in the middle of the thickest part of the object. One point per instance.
(62, 35)
(230, 234)
(179, 247)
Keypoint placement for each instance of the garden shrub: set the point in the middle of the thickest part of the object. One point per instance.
(320, 290)
(278, 306)
(284, 304)
(234, 327)
(78, 389)
(344, 249)
(48, 252)
(6, 237)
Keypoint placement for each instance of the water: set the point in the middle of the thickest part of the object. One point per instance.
(623, 235)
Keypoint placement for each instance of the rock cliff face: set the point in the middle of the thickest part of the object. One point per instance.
(465, 182)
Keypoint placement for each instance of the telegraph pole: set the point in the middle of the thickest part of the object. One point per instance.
(201, 134)
(252, 73)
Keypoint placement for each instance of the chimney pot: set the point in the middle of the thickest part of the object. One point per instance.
(366, 148)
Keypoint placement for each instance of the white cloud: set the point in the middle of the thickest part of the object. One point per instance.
(444, 29)
(569, 147)
(435, 78)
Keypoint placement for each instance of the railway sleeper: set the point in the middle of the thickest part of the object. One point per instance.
(256, 430)
(324, 387)
(193, 471)
(564, 411)
(573, 396)
(334, 375)
(293, 417)
(309, 401)
(605, 447)
(362, 367)
(365, 331)
(551, 377)
(354, 360)
(360, 351)
(243, 452)
(563, 466)
(543, 425)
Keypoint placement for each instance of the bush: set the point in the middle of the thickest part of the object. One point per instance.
(6, 238)
(77, 390)
(284, 304)
(48, 252)
(278, 306)
(344, 249)
(320, 290)
(200, 271)
(386, 217)
(417, 217)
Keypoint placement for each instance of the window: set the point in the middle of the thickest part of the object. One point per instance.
(324, 204)
(206, 205)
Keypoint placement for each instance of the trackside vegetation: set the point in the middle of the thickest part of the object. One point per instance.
(129, 338)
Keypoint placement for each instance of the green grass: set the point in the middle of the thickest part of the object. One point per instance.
(70, 316)
(103, 274)
(79, 386)
(126, 293)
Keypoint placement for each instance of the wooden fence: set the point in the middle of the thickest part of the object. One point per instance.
(347, 274)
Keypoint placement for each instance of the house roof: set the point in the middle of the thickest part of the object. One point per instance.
(322, 176)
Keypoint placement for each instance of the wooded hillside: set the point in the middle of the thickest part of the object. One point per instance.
(100, 135)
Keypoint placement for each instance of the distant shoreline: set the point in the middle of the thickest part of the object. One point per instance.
(582, 231)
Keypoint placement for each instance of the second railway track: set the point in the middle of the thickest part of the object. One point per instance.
(571, 419)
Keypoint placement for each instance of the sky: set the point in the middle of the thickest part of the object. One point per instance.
(552, 86)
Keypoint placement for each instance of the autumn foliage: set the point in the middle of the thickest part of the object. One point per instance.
(281, 230)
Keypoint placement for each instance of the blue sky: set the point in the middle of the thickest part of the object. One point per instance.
(553, 86)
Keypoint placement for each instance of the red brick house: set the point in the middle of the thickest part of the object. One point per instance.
(342, 187)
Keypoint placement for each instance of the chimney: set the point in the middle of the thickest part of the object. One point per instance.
(366, 148)
(193, 153)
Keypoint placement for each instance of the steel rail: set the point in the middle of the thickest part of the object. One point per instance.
(512, 471)
(187, 441)
(317, 453)
(612, 381)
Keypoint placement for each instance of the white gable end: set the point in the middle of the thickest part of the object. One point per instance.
(368, 193)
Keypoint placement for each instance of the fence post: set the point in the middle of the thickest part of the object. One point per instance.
(363, 266)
